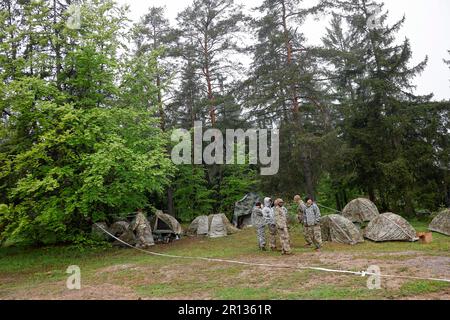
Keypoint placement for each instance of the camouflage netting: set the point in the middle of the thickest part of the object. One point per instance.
(243, 210)
(390, 227)
(142, 230)
(162, 221)
(336, 228)
(119, 228)
(441, 223)
(99, 234)
(214, 226)
(360, 210)
(137, 233)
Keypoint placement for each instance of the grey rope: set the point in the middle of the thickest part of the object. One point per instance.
(358, 273)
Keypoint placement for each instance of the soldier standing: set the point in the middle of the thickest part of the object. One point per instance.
(269, 216)
(281, 222)
(300, 213)
(311, 221)
(259, 223)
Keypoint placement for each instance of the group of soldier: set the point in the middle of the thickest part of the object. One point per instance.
(274, 216)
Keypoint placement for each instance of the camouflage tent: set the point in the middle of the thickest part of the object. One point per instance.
(360, 210)
(119, 228)
(165, 227)
(243, 210)
(199, 227)
(441, 223)
(214, 226)
(97, 232)
(390, 227)
(336, 228)
(142, 230)
(165, 222)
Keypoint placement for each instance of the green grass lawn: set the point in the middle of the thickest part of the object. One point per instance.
(113, 273)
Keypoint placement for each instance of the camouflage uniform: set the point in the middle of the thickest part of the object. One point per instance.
(268, 215)
(273, 236)
(281, 222)
(259, 223)
(311, 222)
(301, 212)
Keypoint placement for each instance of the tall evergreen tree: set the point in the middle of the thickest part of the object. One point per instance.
(373, 81)
(154, 33)
(211, 28)
(285, 90)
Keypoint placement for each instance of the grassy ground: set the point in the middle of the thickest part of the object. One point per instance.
(112, 273)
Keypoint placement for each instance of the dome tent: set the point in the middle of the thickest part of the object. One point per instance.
(390, 227)
(441, 223)
(214, 226)
(338, 229)
(166, 227)
(199, 227)
(360, 210)
(217, 226)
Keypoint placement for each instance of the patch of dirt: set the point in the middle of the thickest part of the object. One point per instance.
(444, 295)
(192, 296)
(437, 266)
(119, 281)
(87, 292)
(116, 268)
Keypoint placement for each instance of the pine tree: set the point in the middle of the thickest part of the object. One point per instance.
(372, 78)
(210, 29)
(154, 33)
(284, 89)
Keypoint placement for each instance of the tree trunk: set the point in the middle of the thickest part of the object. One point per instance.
(208, 77)
(308, 177)
(160, 104)
(170, 203)
(371, 192)
(409, 205)
(57, 47)
(447, 196)
(288, 46)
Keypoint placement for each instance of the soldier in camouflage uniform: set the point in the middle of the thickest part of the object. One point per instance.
(300, 212)
(281, 221)
(268, 215)
(259, 223)
(311, 221)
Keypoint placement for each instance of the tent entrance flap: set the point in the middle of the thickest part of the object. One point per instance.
(162, 226)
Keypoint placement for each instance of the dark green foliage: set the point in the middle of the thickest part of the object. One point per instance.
(84, 165)
(75, 148)
(385, 128)
(192, 197)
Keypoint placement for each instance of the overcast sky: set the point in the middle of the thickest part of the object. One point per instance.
(427, 26)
